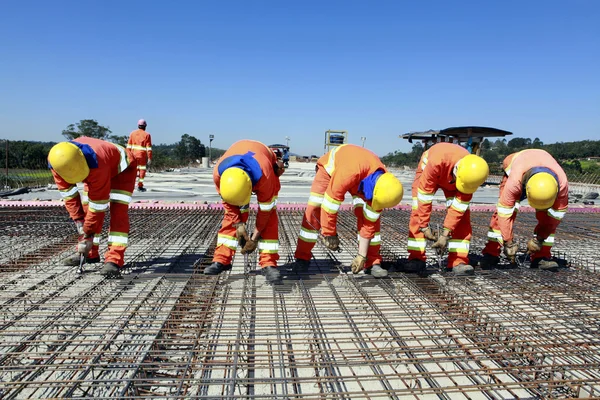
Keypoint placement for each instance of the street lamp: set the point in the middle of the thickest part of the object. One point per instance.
(287, 141)
(363, 138)
(211, 138)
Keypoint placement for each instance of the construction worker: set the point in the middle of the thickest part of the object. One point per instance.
(107, 171)
(353, 169)
(533, 174)
(140, 144)
(248, 167)
(449, 167)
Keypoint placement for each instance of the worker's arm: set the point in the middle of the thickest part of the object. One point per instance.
(149, 147)
(98, 202)
(555, 215)
(371, 216)
(130, 142)
(70, 196)
(457, 210)
(425, 192)
(339, 184)
(510, 193)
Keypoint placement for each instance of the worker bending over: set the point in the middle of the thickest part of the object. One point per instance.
(535, 175)
(107, 171)
(353, 169)
(140, 144)
(451, 168)
(248, 166)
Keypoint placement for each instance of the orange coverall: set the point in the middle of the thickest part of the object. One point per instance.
(111, 180)
(434, 172)
(339, 171)
(266, 189)
(516, 167)
(140, 144)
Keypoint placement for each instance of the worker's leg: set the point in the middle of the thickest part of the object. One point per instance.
(141, 171)
(373, 256)
(268, 244)
(121, 189)
(309, 232)
(93, 253)
(416, 240)
(458, 246)
(495, 241)
(542, 230)
(227, 241)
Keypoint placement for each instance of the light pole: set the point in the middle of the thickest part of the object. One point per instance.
(287, 141)
(363, 138)
(211, 138)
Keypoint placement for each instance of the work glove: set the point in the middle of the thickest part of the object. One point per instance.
(429, 235)
(534, 245)
(358, 264)
(331, 242)
(241, 233)
(85, 245)
(79, 226)
(510, 251)
(442, 241)
(250, 246)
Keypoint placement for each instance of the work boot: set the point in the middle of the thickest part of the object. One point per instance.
(75, 259)
(544, 264)
(272, 274)
(462, 270)
(141, 189)
(414, 265)
(489, 261)
(376, 271)
(216, 268)
(300, 266)
(111, 270)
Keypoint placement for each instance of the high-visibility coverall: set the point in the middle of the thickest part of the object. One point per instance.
(518, 168)
(266, 185)
(140, 144)
(345, 169)
(435, 171)
(111, 180)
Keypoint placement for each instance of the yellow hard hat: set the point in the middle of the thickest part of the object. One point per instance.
(388, 192)
(542, 190)
(471, 172)
(69, 162)
(236, 187)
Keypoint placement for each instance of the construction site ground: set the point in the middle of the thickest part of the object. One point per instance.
(165, 330)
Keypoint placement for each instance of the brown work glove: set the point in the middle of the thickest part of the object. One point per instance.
(510, 251)
(534, 245)
(241, 233)
(250, 246)
(79, 226)
(331, 242)
(358, 264)
(442, 241)
(429, 235)
(85, 245)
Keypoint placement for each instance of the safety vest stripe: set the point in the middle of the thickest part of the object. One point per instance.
(424, 159)
(84, 198)
(330, 165)
(495, 236)
(415, 203)
(331, 205)
(120, 197)
(136, 147)
(557, 214)
(268, 246)
(504, 211)
(460, 205)
(148, 148)
(69, 193)
(96, 240)
(118, 239)
(98, 206)
(228, 241)
(315, 199)
(417, 244)
(268, 206)
(370, 214)
(424, 197)
(458, 246)
(375, 241)
(123, 162)
(357, 202)
(308, 235)
(549, 241)
(141, 167)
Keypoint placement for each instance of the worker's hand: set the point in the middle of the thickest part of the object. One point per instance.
(85, 245)
(534, 245)
(441, 243)
(331, 242)
(358, 264)
(241, 233)
(250, 246)
(510, 251)
(429, 235)
(79, 226)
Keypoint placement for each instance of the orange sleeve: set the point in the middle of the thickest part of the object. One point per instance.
(457, 210)
(149, 147)
(70, 195)
(340, 182)
(425, 192)
(368, 228)
(555, 214)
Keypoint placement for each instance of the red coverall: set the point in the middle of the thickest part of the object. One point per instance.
(339, 171)
(266, 189)
(140, 144)
(434, 172)
(515, 166)
(112, 181)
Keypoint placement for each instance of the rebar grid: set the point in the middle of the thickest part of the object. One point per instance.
(167, 330)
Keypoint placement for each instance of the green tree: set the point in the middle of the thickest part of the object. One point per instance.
(120, 140)
(189, 149)
(87, 127)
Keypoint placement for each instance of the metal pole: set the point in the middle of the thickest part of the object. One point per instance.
(211, 138)
(363, 141)
(6, 156)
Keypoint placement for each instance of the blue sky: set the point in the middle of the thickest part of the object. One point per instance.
(269, 69)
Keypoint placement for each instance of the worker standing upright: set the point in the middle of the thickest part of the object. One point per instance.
(536, 176)
(355, 170)
(451, 168)
(140, 143)
(107, 171)
(248, 167)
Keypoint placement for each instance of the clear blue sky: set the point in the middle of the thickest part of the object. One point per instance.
(269, 69)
